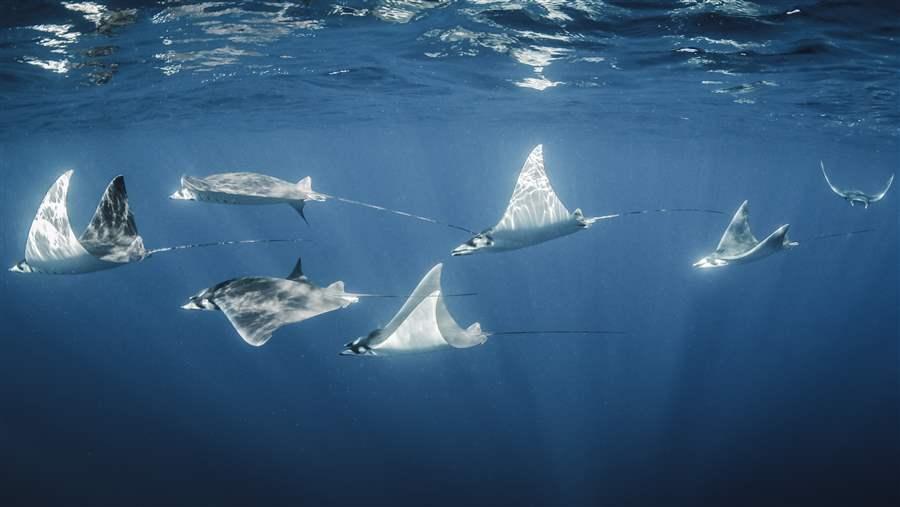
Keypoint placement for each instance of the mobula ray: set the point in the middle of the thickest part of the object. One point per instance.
(424, 324)
(257, 306)
(110, 240)
(535, 214)
(739, 246)
(247, 188)
(856, 196)
(254, 189)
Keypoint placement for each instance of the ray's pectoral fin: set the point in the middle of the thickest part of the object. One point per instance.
(533, 203)
(112, 234)
(737, 238)
(775, 242)
(254, 324)
(298, 207)
(51, 240)
(880, 195)
(782, 234)
(833, 188)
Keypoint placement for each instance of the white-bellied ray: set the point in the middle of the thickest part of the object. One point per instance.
(535, 214)
(255, 189)
(424, 324)
(856, 196)
(110, 240)
(257, 306)
(247, 188)
(738, 245)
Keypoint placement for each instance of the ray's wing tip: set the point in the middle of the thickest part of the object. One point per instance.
(64, 178)
(256, 342)
(118, 184)
(435, 272)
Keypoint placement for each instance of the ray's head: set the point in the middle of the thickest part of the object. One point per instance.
(710, 261)
(478, 242)
(22, 267)
(184, 193)
(360, 346)
(202, 301)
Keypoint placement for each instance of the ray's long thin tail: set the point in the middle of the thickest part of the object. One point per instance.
(398, 212)
(220, 243)
(366, 295)
(846, 234)
(591, 220)
(511, 333)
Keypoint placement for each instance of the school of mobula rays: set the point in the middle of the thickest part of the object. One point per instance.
(258, 306)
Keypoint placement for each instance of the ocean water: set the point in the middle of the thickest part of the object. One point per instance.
(772, 383)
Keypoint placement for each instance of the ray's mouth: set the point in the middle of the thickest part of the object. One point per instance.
(21, 267)
(182, 194)
(706, 262)
(462, 250)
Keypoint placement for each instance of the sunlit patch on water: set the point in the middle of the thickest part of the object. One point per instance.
(105, 19)
(59, 37)
(539, 83)
(738, 7)
(573, 52)
(93, 12)
(200, 61)
(56, 66)
(404, 11)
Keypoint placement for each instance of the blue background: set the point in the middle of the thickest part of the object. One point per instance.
(775, 382)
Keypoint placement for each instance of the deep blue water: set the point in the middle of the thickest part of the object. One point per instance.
(774, 383)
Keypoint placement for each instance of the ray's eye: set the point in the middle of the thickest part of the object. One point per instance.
(482, 240)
